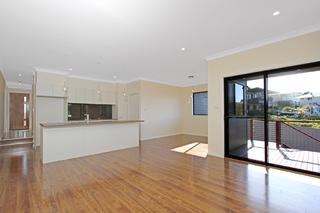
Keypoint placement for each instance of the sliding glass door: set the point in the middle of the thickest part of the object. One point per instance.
(273, 117)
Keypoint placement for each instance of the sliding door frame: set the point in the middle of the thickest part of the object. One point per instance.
(265, 75)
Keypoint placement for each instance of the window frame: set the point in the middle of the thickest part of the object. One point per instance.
(193, 112)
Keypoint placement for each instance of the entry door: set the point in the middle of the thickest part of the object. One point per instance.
(244, 113)
(19, 111)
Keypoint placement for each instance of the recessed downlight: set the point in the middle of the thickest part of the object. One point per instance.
(183, 49)
(276, 13)
(19, 74)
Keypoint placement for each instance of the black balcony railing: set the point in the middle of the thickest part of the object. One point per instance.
(287, 134)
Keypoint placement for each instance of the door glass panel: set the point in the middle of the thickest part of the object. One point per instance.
(255, 98)
(294, 119)
(239, 95)
(244, 118)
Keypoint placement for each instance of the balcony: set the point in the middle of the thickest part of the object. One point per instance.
(290, 144)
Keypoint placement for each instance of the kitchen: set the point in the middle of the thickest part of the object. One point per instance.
(78, 105)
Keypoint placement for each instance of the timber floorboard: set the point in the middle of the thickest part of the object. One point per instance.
(151, 178)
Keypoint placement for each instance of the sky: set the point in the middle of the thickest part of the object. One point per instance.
(301, 82)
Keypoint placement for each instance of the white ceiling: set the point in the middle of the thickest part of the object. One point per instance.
(135, 39)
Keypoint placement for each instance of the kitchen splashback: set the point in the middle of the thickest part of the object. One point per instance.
(96, 111)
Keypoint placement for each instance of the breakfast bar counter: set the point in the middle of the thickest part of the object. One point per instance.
(73, 139)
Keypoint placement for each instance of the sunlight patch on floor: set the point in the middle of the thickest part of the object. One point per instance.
(196, 149)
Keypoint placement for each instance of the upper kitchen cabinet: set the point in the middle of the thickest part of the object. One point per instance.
(91, 92)
(77, 90)
(108, 95)
(50, 84)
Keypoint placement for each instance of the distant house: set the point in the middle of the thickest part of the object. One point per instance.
(308, 99)
(276, 97)
(255, 101)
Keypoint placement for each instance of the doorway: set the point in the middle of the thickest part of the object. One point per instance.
(273, 117)
(19, 115)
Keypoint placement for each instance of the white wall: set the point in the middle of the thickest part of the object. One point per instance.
(294, 51)
(161, 110)
(166, 109)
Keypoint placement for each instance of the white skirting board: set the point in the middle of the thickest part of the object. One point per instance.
(68, 142)
(163, 136)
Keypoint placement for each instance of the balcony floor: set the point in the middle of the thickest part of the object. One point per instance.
(299, 159)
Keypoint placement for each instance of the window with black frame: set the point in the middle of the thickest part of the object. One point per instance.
(200, 103)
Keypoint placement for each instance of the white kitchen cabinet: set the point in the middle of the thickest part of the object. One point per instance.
(50, 90)
(91, 96)
(58, 91)
(77, 90)
(50, 85)
(72, 95)
(76, 95)
(44, 90)
(108, 96)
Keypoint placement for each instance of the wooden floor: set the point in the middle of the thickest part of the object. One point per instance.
(17, 134)
(16, 137)
(150, 179)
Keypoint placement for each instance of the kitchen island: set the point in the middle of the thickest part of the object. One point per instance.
(62, 141)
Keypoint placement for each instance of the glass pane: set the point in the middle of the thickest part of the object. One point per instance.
(200, 103)
(246, 97)
(294, 119)
(24, 111)
(75, 112)
(239, 95)
(255, 97)
(94, 111)
(246, 138)
(106, 111)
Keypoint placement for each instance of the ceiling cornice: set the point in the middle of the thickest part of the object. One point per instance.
(110, 81)
(292, 34)
(22, 86)
(166, 83)
(46, 70)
